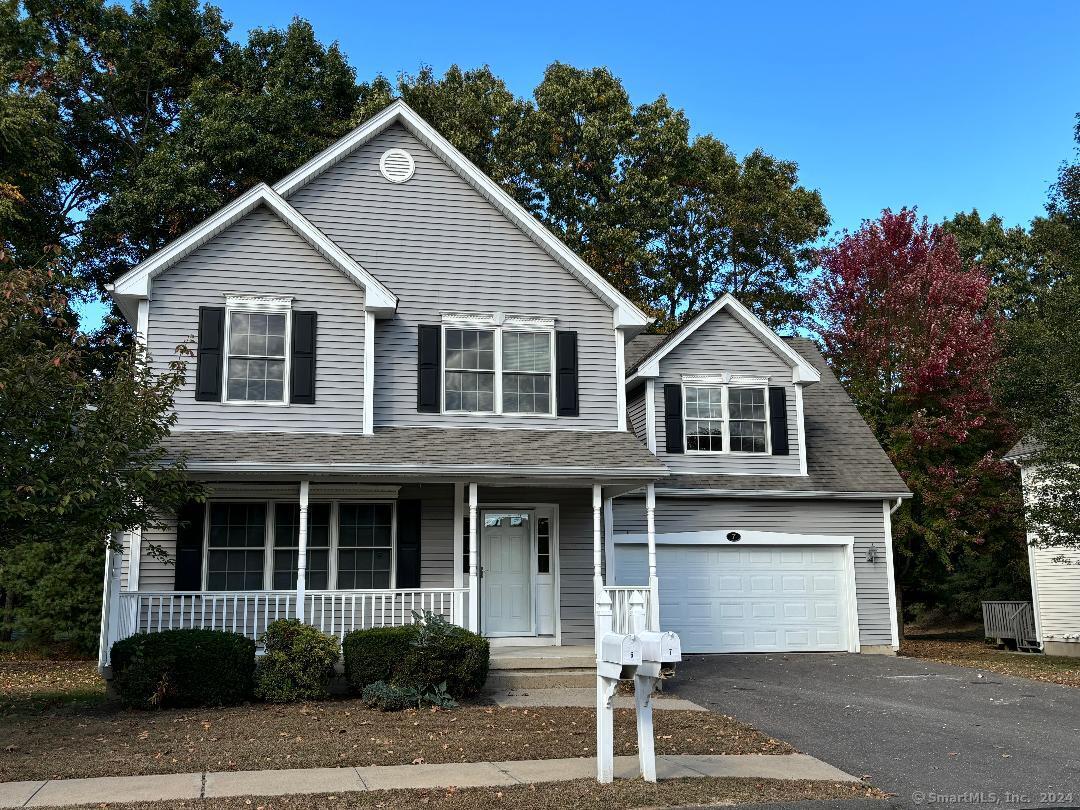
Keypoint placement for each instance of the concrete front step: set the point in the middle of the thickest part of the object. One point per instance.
(540, 678)
(543, 658)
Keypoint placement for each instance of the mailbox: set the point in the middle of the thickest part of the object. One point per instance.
(663, 648)
(620, 655)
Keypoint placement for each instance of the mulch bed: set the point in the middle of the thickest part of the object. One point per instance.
(978, 655)
(583, 793)
(66, 743)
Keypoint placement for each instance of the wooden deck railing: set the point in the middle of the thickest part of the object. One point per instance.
(1009, 620)
(249, 612)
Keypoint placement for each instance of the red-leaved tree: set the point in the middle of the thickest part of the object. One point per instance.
(910, 331)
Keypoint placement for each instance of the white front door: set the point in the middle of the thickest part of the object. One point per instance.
(506, 583)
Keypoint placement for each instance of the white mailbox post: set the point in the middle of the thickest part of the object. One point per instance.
(657, 649)
(618, 659)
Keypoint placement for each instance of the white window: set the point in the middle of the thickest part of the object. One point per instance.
(255, 545)
(726, 418)
(501, 365)
(256, 349)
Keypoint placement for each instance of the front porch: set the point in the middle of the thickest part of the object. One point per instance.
(522, 565)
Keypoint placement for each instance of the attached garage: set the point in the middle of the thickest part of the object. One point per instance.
(765, 592)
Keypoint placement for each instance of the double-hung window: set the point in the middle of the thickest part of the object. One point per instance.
(235, 547)
(726, 418)
(505, 367)
(365, 545)
(256, 349)
(287, 546)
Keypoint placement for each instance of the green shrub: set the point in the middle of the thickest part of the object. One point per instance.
(381, 695)
(419, 656)
(298, 662)
(183, 668)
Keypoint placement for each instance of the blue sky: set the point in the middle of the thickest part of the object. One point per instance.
(948, 106)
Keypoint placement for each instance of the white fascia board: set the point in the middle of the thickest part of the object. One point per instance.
(625, 314)
(801, 370)
(135, 284)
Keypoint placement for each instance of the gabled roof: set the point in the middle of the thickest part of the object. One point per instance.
(648, 364)
(626, 314)
(1022, 449)
(843, 457)
(135, 283)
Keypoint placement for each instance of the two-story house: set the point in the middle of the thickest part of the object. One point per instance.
(408, 395)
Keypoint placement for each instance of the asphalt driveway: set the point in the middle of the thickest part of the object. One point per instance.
(930, 733)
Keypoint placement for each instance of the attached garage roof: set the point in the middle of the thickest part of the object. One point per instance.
(843, 456)
(419, 451)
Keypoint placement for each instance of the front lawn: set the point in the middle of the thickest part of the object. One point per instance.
(30, 685)
(111, 742)
(977, 654)
(582, 794)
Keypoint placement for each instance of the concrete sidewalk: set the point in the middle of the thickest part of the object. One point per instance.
(397, 777)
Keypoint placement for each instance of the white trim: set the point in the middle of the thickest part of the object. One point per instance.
(135, 538)
(498, 324)
(800, 426)
(142, 322)
(369, 373)
(609, 542)
(1027, 484)
(705, 492)
(262, 306)
(890, 572)
(625, 313)
(135, 284)
(620, 378)
(517, 471)
(740, 383)
(650, 415)
(718, 537)
(801, 370)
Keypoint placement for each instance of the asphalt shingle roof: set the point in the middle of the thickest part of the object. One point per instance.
(416, 450)
(842, 454)
(639, 348)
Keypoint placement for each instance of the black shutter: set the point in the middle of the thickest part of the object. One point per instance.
(566, 374)
(208, 360)
(189, 546)
(673, 424)
(778, 420)
(302, 369)
(428, 351)
(408, 544)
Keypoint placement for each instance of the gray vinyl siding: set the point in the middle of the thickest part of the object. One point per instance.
(724, 345)
(636, 414)
(575, 551)
(442, 247)
(261, 256)
(864, 520)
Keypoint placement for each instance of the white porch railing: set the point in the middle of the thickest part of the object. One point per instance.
(620, 607)
(249, 613)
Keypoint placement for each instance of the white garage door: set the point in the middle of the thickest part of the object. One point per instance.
(747, 598)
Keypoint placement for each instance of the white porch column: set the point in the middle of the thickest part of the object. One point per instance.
(598, 577)
(110, 614)
(474, 565)
(654, 583)
(301, 555)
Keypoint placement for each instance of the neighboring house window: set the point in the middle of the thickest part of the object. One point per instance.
(365, 545)
(287, 546)
(726, 418)
(257, 347)
(235, 547)
(505, 368)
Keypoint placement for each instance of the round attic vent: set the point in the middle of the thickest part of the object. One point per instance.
(397, 165)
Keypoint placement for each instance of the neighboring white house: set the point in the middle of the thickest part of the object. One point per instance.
(408, 394)
(1055, 575)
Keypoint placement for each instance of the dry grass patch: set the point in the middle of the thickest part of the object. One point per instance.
(582, 793)
(337, 733)
(976, 654)
(32, 685)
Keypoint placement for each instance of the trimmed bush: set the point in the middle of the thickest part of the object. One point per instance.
(420, 657)
(183, 668)
(298, 662)
(384, 697)
(370, 655)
